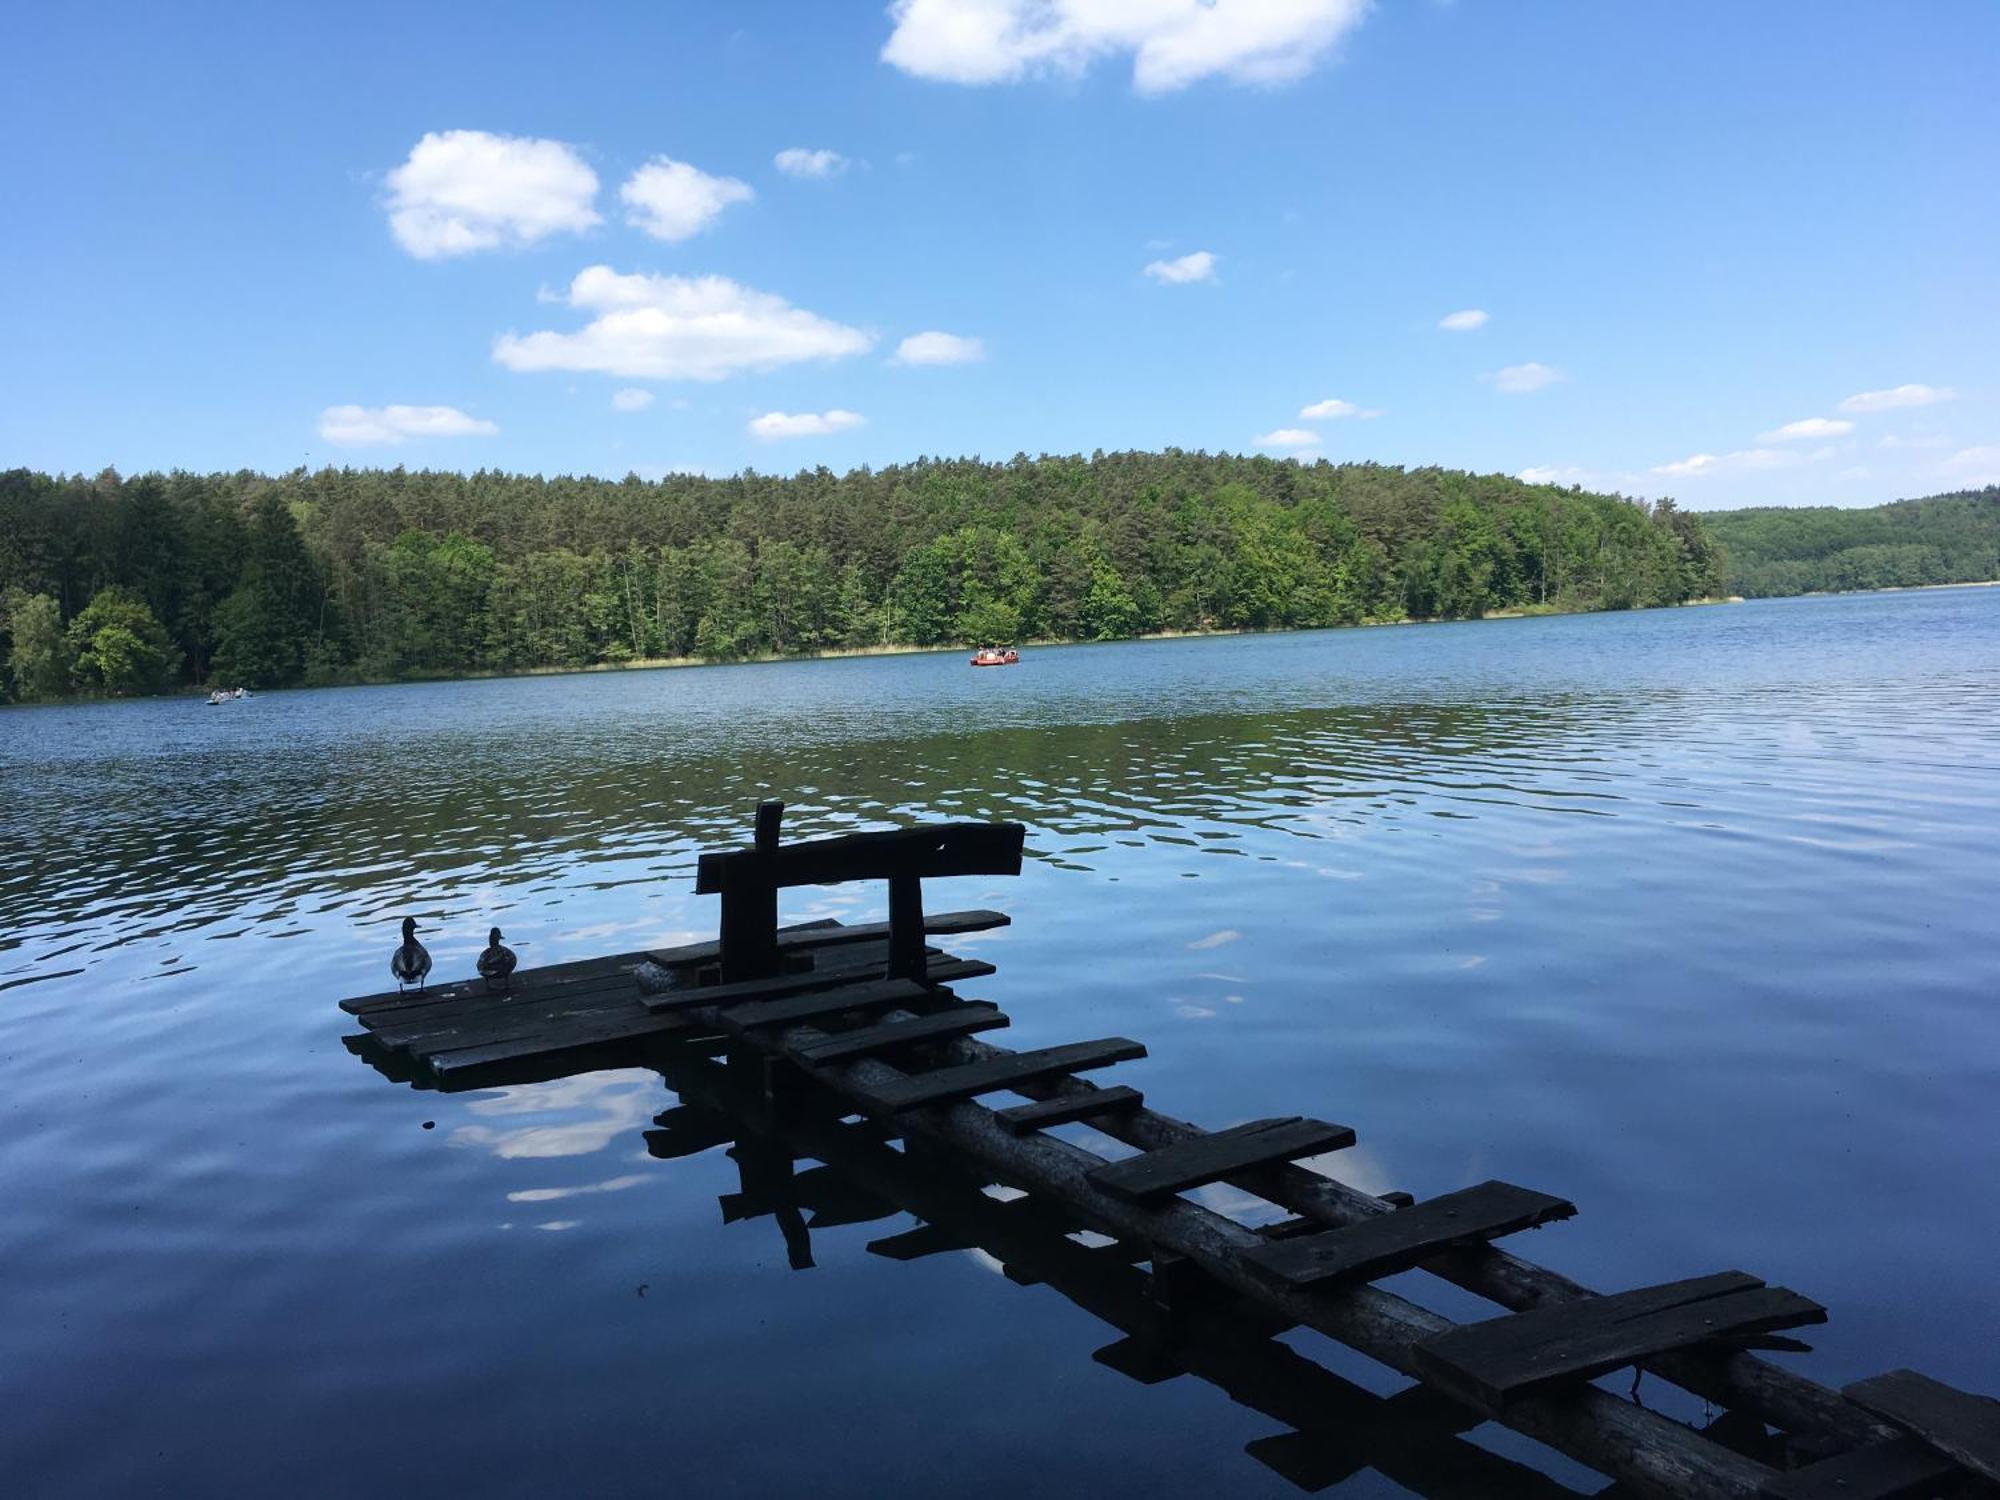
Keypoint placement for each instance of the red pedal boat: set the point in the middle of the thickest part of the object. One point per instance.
(995, 656)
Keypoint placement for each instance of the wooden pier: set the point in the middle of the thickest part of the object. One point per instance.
(828, 1041)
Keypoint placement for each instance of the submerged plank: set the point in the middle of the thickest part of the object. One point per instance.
(1046, 1114)
(1904, 1468)
(969, 1080)
(1394, 1242)
(887, 1036)
(827, 933)
(1489, 1363)
(1210, 1158)
(1956, 1422)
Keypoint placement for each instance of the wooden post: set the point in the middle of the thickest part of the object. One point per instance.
(906, 927)
(750, 905)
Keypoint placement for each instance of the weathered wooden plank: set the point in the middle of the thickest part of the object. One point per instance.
(1395, 1242)
(829, 933)
(1904, 1468)
(1224, 1153)
(473, 987)
(938, 849)
(838, 966)
(1046, 1114)
(1490, 1363)
(869, 994)
(1959, 1423)
(603, 1031)
(870, 1041)
(968, 1080)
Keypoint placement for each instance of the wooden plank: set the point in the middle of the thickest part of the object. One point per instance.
(1224, 1153)
(841, 966)
(637, 1026)
(1488, 1364)
(473, 986)
(828, 933)
(1959, 1423)
(1395, 1242)
(937, 849)
(871, 1041)
(871, 994)
(1904, 1468)
(968, 1080)
(1046, 1114)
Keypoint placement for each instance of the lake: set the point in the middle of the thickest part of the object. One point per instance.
(1688, 916)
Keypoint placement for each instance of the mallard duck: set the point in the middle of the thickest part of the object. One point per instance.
(497, 962)
(412, 960)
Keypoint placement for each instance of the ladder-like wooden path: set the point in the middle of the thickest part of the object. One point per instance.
(867, 1016)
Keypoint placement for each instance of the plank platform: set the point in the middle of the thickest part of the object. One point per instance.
(1064, 1109)
(1904, 1468)
(1388, 1243)
(1210, 1158)
(1955, 1422)
(1490, 1364)
(969, 1080)
(865, 995)
(891, 1036)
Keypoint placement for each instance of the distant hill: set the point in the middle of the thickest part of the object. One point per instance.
(1776, 550)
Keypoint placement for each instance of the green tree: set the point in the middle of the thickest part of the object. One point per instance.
(119, 649)
(40, 655)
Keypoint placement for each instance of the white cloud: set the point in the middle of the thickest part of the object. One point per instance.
(631, 399)
(1287, 437)
(1808, 427)
(934, 348)
(1914, 440)
(1974, 467)
(1173, 42)
(1463, 322)
(797, 161)
(467, 190)
(1742, 460)
(671, 200)
(1897, 397)
(785, 424)
(1518, 380)
(1555, 474)
(1698, 463)
(359, 425)
(678, 328)
(1332, 407)
(1197, 265)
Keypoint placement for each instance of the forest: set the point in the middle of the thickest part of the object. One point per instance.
(1775, 550)
(112, 585)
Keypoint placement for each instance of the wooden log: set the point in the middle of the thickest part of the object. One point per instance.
(1955, 1422)
(889, 1036)
(1209, 1158)
(1904, 1468)
(1395, 1242)
(1046, 1114)
(828, 933)
(1490, 1364)
(934, 850)
(971, 1079)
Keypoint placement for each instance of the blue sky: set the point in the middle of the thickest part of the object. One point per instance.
(258, 236)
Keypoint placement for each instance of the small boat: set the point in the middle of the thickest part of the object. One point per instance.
(995, 656)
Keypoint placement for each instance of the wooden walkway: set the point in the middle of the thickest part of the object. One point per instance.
(823, 1020)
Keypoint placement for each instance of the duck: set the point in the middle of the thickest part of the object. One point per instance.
(412, 960)
(497, 962)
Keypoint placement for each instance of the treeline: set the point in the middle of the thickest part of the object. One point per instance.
(114, 585)
(1776, 550)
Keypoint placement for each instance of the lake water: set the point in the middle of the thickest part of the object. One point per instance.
(1688, 916)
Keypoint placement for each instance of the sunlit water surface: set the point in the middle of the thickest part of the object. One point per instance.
(1688, 916)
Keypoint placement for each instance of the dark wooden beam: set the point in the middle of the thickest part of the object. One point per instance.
(1209, 1158)
(1395, 1242)
(1956, 1422)
(971, 1079)
(938, 849)
(889, 1036)
(1046, 1114)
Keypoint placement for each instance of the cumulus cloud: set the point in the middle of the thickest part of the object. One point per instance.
(1287, 437)
(1809, 427)
(1897, 397)
(934, 348)
(1334, 407)
(1463, 322)
(357, 426)
(1197, 265)
(797, 161)
(671, 200)
(1974, 467)
(1518, 380)
(785, 424)
(631, 399)
(1743, 459)
(467, 190)
(1173, 43)
(678, 328)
